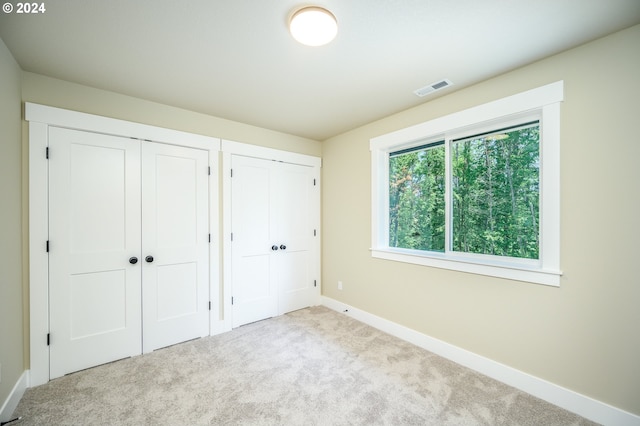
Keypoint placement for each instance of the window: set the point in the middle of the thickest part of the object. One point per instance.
(416, 198)
(475, 191)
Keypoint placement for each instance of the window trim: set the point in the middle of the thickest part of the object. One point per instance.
(542, 102)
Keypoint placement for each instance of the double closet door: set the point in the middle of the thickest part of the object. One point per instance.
(128, 247)
(274, 220)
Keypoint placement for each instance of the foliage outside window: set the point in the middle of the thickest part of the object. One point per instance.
(416, 198)
(495, 194)
(466, 191)
(495, 188)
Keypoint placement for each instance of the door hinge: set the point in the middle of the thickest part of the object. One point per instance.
(47, 153)
(209, 237)
(209, 170)
(231, 172)
(314, 232)
(47, 246)
(209, 305)
(48, 339)
(314, 182)
(232, 300)
(315, 284)
(232, 236)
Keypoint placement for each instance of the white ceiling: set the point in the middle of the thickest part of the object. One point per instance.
(235, 59)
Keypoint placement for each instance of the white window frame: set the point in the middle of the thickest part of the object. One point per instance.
(542, 103)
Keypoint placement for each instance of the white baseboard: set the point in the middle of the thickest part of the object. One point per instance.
(582, 405)
(14, 397)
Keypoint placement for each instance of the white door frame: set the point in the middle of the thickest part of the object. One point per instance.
(230, 148)
(40, 118)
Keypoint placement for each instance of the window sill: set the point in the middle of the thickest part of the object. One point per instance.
(515, 271)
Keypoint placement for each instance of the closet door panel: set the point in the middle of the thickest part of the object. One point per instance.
(94, 216)
(253, 223)
(294, 195)
(175, 289)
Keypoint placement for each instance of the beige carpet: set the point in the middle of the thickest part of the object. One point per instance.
(310, 367)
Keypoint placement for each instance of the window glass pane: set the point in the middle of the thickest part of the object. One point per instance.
(495, 193)
(416, 198)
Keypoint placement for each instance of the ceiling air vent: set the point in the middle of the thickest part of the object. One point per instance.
(424, 91)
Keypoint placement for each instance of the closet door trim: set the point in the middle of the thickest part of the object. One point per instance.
(40, 118)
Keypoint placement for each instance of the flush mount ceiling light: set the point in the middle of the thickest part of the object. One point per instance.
(313, 26)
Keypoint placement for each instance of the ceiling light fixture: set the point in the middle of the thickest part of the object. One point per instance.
(313, 26)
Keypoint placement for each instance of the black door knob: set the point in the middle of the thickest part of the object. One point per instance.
(274, 248)
(283, 247)
(133, 260)
(149, 259)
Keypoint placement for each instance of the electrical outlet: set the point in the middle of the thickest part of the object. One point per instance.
(339, 285)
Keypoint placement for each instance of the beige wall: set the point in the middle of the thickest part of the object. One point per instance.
(49, 91)
(11, 324)
(584, 335)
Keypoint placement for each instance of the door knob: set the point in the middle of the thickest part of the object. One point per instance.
(283, 247)
(274, 248)
(133, 260)
(149, 259)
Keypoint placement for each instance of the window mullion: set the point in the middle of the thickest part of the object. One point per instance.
(448, 242)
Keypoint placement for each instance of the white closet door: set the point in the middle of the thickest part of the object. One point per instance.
(175, 251)
(94, 217)
(252, 216)
(295, 205)
(272, 249)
